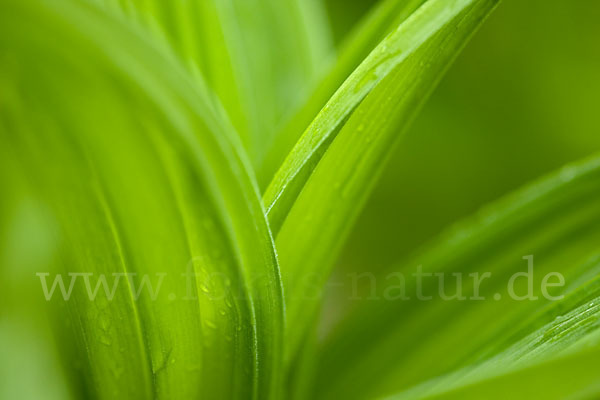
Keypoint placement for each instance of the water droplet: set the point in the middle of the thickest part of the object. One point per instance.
(228, 302)
(204, 288)
(105, 340)
(568, 173)
(366, 81)
(210, 324)
(104, 322)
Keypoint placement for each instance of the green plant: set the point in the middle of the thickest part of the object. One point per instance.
(215, 149)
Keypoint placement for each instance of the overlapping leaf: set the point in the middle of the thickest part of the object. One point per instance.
(259, 56)
(385, 18)
(324, 181)
(142, 178)
(556, 220)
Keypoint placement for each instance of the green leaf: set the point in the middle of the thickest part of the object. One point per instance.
(556, 220)
(572, 376)
(142, 176)
(324, 181)
(381, 21)
(258, 56)
(560, 360)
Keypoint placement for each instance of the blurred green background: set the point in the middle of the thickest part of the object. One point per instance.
(521, 100)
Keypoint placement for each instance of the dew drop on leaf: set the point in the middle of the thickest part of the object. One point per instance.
(210, 324)
(105, 340)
